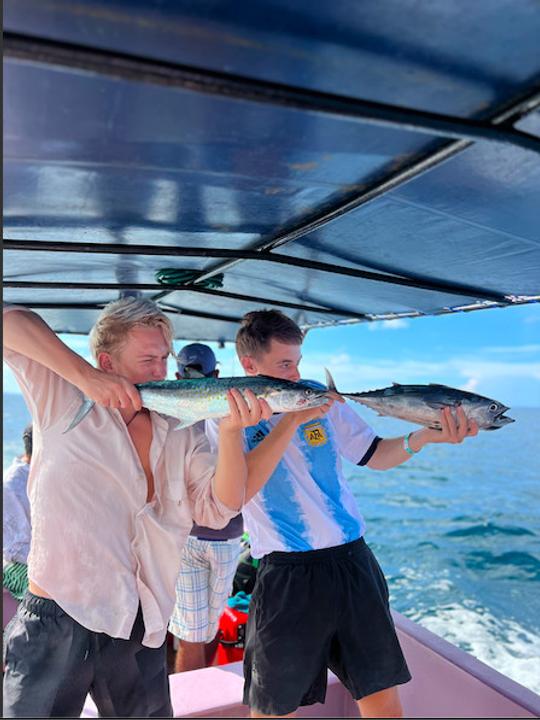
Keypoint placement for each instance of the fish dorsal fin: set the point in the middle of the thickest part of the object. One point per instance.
(330, 384)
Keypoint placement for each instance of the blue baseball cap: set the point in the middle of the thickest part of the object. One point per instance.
(196, 355)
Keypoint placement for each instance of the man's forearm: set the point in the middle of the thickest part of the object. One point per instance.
(26, 333)
(231, 470)
(391, 452)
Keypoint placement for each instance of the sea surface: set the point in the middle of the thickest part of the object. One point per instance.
(457, 532)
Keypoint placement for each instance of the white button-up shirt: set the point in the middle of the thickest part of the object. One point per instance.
(98, 547)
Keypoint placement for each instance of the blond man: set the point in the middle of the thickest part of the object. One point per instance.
(112, 504)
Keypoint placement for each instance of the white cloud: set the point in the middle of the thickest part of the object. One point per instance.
(515, 383)
(471, 385)
(397, 324)
(512, 349)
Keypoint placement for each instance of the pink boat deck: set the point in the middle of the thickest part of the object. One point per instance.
(447, 682)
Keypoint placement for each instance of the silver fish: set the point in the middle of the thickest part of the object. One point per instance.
(191, 400)
(422, 404)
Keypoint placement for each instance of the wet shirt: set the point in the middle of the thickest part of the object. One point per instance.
(307, 504)
(16, 513)
(98, 547)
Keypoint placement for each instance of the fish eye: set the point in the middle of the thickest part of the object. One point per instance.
(493, 407)
(308, 392)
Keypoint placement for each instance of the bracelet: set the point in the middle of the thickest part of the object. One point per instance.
(408, 449)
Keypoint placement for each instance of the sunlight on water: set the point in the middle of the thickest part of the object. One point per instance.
(457, 533)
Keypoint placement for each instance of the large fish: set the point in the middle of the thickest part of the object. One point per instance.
(422, 404)
(199, 399)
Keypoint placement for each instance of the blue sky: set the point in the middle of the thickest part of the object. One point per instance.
(492, 352)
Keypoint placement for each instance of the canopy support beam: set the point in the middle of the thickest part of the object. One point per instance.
(450, 288)
(28, 284)
(99, 306)
(131, 67)
(511, 111)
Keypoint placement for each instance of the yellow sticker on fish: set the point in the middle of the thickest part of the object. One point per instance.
(315, 434)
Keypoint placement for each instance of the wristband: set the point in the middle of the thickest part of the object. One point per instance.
(408, 449)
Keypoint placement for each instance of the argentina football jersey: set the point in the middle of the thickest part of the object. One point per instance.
(307, 504)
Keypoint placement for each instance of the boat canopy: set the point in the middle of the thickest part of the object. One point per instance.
(341, 161)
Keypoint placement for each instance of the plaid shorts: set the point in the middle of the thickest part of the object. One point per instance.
(203, 586)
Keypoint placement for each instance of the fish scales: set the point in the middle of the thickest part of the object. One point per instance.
(422, 404)
(192, 400)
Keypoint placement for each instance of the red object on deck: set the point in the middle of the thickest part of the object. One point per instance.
(232, 625)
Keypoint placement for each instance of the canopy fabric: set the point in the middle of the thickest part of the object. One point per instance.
(344, 161)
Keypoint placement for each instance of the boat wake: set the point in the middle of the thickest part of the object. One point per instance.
(504, 645)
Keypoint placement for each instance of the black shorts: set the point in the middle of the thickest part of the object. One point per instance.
(52, 663)
(316, 610)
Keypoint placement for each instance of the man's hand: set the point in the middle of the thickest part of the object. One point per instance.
(244, 411)
(314, 413)
(453, 430)
(109, 390)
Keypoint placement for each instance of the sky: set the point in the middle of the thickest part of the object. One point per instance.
(494, 352)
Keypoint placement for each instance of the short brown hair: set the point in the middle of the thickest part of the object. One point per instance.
(259, 327)
(119, 317)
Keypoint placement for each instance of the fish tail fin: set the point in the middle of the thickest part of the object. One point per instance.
(82, 412)
(331, 385)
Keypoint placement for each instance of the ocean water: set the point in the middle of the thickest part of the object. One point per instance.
(457, 532)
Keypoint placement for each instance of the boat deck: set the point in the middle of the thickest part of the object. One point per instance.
(447, 682)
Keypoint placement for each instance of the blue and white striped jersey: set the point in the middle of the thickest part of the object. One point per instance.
(307, 503)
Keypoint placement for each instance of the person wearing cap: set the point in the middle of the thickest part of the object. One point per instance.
(209, 557)
(17, 528)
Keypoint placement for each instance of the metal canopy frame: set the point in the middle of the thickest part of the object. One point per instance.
(113, 248)
(158, 72)
(496, 125)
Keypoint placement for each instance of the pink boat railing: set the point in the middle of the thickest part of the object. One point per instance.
(447, 682)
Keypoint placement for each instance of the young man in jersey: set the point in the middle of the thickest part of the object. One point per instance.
(321, 599)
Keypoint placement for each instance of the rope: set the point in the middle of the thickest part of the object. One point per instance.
(175, 276)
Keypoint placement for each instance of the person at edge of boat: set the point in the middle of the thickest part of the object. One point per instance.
(320, 600)
(112, 501)
(17, 528)
(209, 557)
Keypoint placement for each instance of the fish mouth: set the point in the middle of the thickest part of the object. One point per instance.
(313, 401)
(501, 420)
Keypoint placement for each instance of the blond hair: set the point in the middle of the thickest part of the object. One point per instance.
(119, 317)
(259, 327)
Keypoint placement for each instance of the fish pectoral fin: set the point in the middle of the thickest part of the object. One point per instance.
(81, 413)
(436, 404)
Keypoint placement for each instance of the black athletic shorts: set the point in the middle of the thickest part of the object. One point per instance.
(316, 610)
(52, 663)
